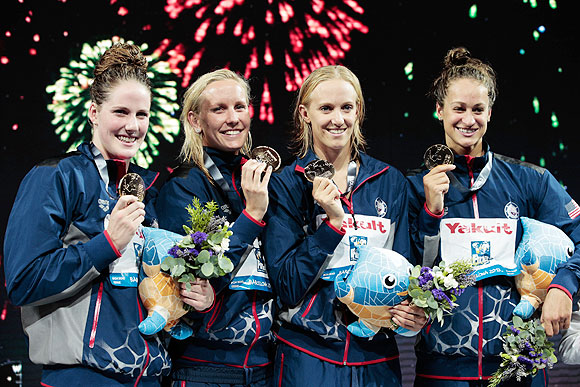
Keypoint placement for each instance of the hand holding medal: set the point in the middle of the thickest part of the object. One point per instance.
(256, 174)
(439, 160)
(324, 191)
(128, 213)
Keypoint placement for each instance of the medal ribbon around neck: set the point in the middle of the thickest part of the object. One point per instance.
(479, 182)
(350, 177)
(233, 198)
(103, 171)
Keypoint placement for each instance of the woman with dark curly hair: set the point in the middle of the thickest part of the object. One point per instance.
(469, 208)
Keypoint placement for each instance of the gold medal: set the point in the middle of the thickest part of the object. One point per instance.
(132, 184)
(438, 154)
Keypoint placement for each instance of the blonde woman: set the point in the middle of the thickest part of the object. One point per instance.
(232, 342)
(309, 235)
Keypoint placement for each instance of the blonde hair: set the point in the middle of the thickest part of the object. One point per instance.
(302, 140)
(192, 148)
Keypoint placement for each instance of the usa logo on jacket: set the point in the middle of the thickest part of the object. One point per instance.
(381, 207)
(511, 210)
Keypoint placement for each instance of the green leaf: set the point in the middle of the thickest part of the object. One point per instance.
(216, 239)
(203, 256)
(432, 302)
(420, 303)
(167, 263)
(225, 264)
(518, 322)
(416, 271)
(207, 269)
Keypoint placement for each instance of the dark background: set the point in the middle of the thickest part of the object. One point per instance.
(399, 125)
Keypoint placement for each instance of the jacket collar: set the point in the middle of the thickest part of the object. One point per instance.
(110, 170)
(225, 160)
(474, 163)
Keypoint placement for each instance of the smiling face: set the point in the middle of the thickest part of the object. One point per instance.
(224, 116)
(120, 123)
(465, 114)
(332, 113)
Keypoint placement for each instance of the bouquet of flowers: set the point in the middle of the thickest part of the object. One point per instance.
(526, 350)
(436, 289)
(200, 253)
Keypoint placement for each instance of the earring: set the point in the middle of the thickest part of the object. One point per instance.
(197, 130)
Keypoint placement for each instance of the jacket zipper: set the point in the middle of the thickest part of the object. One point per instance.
(257, 320)
(346, 345)
(216, 311)
(96, 316)
(350, 206)
(146, 346)
(309, 305)
(479, 285)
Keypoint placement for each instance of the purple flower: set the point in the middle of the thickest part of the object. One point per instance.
(457, 291)
(525, 361)
(198, 237)
(440, 295)
(425, 276)
(193, 252)
(174, 252)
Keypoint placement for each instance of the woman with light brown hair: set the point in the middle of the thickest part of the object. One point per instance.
(71, 253)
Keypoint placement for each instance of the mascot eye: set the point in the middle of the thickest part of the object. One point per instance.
(570, 251)
(390, 281)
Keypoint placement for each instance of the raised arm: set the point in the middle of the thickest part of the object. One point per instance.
(296, 257)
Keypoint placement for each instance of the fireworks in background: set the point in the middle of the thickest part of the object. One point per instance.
(295, 37)
(277, 43)
(71, 100)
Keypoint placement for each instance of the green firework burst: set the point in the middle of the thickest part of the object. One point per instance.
(72, 99)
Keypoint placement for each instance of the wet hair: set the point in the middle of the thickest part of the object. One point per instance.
(459, 64)
(122, 61)
(192, 149)
(302, 140)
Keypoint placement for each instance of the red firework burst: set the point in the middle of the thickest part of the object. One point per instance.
(253, 36)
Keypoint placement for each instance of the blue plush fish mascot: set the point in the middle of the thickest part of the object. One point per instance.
(542, 248)
(378, 281)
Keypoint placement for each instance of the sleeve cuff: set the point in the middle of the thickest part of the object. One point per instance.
(566, 281)
(328, 237)
(438, 216)
(561, 288)
(101, 251)
(428, 222)
(342, 231)
(260, 223)
(112, 244)
(246, 228)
